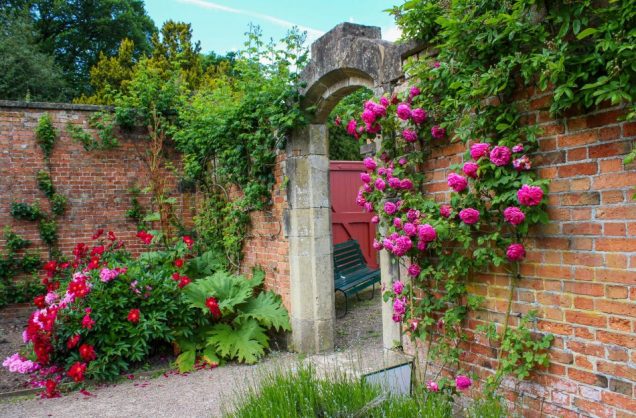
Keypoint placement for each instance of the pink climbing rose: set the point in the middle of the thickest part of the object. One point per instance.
(414, 270)
(516, 252)
(418, 115)
(513, 215)
(523, 163)
(395, 183)
(445, 211)
(500, 155)
(479, 150)
(529, 195)
(409, 229)
(390, 208)
(469, 216)
(432, 386)
(462, 382)
(517, 148)
(415, 91)
(426, 233)
(470, 169)
(365, 177)
(404, 111)
(457, 182)
(369, 163)
(398, 287)
(380, 184)
(438, 132)
(406, 184)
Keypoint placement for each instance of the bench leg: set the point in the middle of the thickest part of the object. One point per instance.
(372, 294)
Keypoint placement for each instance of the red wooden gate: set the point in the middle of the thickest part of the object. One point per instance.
(348, 220)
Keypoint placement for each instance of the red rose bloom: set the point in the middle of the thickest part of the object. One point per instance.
(111, 236)
(188, 240)
(133, 315)
(76, 372)
(98, 234)
(51, 389)
(176, 276)
(87, 352)
(178, 263)
(145, 237)
(80, 250)
(98, 250)
(184, 281)
(87, 322)
(50, 266)
(72, 341)
(39, 301)
(213, 306)
(94, 263)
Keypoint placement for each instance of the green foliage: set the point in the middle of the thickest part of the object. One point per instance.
(104, 125)
(26, 73)
(76, 32)
(13, 241)
(13, 264)
(48, 231)
(343, 146)
(58, 204)
(46, 135)
(240, 331)
(45, 183)
(489, 406)
(26, 212)
(302, 393)
(136, 212)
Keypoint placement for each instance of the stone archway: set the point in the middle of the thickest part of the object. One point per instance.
(344, 59)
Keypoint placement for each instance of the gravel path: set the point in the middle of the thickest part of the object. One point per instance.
(204, 393)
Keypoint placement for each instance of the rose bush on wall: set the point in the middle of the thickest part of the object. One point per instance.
(105, 312)
(495, 198)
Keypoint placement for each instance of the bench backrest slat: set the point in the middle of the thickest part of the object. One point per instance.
(348, 257)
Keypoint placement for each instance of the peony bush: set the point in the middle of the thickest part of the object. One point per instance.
(105, 312)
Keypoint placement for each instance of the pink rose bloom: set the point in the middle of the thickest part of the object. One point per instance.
(360, 200)
(436, 64)
(387, 244)
(469, 216)
(397, 222)
(377, 245)
(470, 169)
(399, 307)
(373, 129)
(351, 128)
(398, 287)
(379, 110)
(375, 219)
(404, 111)
(380, 184)
(384, 101)
(368, 116)
(438, 132)
(402, 161)
(402, 245)
(421, 245)
(390, 208)
(368, 188)
(516, 252)
(51, 298)
(432, 386)
(415, 91)
(406, 184)
(368, 207)
(517, 148)
(426, 233)
(445, 211)
(418, 115)
(369, 163)
(414, 270)
(412, 215)
(500, 155)
(513, 215)
(522, 163)
(410, 229)
(365, 177)
(529, 195)
(479, 150)
(409, 135)
(457, 182)
(462, 382)
(395, 183)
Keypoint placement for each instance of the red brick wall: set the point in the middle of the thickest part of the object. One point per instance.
(96, 183)
(580, 272)
(266, 245)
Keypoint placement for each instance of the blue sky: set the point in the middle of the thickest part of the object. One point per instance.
(220, 24)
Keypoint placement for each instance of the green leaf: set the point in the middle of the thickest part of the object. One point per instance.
(586, 32)
(185, 361)
(209, 356)
(246, 342)
(268, 310)
(152, 217)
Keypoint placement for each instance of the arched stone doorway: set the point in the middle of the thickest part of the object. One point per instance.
(344, 59)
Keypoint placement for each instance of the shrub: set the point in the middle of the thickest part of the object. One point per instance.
(26, 212)
(46, 135)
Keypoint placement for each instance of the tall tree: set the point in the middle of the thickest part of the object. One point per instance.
(76, 31)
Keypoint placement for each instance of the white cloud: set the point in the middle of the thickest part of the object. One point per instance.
(312, 33)
(392, 33)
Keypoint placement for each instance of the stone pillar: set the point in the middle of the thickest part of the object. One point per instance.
(310, 244)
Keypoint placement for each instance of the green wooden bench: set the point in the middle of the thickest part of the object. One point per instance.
(350, 270)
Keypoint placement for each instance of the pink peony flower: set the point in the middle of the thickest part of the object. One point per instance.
(18, 364)
(414, 270)
(513, 215)
(445, 211)
(470, 169)
(432, 386)
(369, 163)
(438, 132)
(457, 182)
(479, 150)
(398, 287)
(469, 216)
(409, 135)
(516, 252)
(500, 155)
(522, 163)
(365, 177)
(517, 148)
(426, 233)
(390, 208)
(530, 195)
(462, 382)
(404, 111)
(418, 115)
